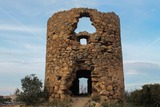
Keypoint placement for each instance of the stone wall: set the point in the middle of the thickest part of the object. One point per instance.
(101, 56)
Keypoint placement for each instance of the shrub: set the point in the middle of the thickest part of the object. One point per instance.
(32, 93)
(112, 104)
(58, 103)
(96, 97)
(148, 96)
(105, 104)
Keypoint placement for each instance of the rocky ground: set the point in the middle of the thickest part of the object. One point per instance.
(80, 101)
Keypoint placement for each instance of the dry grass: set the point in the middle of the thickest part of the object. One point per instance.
(12, 106)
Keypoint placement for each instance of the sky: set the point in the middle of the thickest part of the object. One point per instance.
(23, 27)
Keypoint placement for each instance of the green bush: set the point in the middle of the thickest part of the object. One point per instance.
(148, 96)
(32, 93)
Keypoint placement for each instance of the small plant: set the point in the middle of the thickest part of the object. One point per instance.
(93, 105)
(113, 104)
(96, 97)
(105, 104)
(58, 103)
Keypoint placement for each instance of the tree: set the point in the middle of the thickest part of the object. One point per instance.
(31, 93)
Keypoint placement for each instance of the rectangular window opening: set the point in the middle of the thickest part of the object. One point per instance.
(83, 41)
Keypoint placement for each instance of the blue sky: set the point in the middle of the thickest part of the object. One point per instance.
(23, 26)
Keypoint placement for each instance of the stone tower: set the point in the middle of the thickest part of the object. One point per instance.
(100, 60)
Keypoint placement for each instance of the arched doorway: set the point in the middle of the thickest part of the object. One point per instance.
(82, 85)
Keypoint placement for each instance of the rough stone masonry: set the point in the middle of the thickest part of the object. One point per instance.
(100, 60)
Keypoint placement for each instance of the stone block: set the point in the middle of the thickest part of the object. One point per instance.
(110, 88)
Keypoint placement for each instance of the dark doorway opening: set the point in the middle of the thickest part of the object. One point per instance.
(82, 85)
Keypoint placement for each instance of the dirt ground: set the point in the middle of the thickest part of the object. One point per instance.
(11, 106)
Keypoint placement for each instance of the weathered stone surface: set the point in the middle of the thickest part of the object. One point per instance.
(109, 88)
(92, 103)
(100, 60)
(104, 92)
(98, 105)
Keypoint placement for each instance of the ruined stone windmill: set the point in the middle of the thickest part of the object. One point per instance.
(99, 60)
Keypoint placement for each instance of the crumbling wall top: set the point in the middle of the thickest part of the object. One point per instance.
(67, 21)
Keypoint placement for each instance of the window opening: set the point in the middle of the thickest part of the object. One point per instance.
(83, 41)
(84, 24)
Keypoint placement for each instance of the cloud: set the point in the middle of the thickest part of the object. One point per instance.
(82, 3)
(132, 72)
(18, 28)
(153, 42)
(138, 51)
(141, 67)
(139, 73)
(39, 7)
(7, 90)
(28, 54)
(22, 66)
(138, 85)
(70, 3)
(22, 55)
(13, 71)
